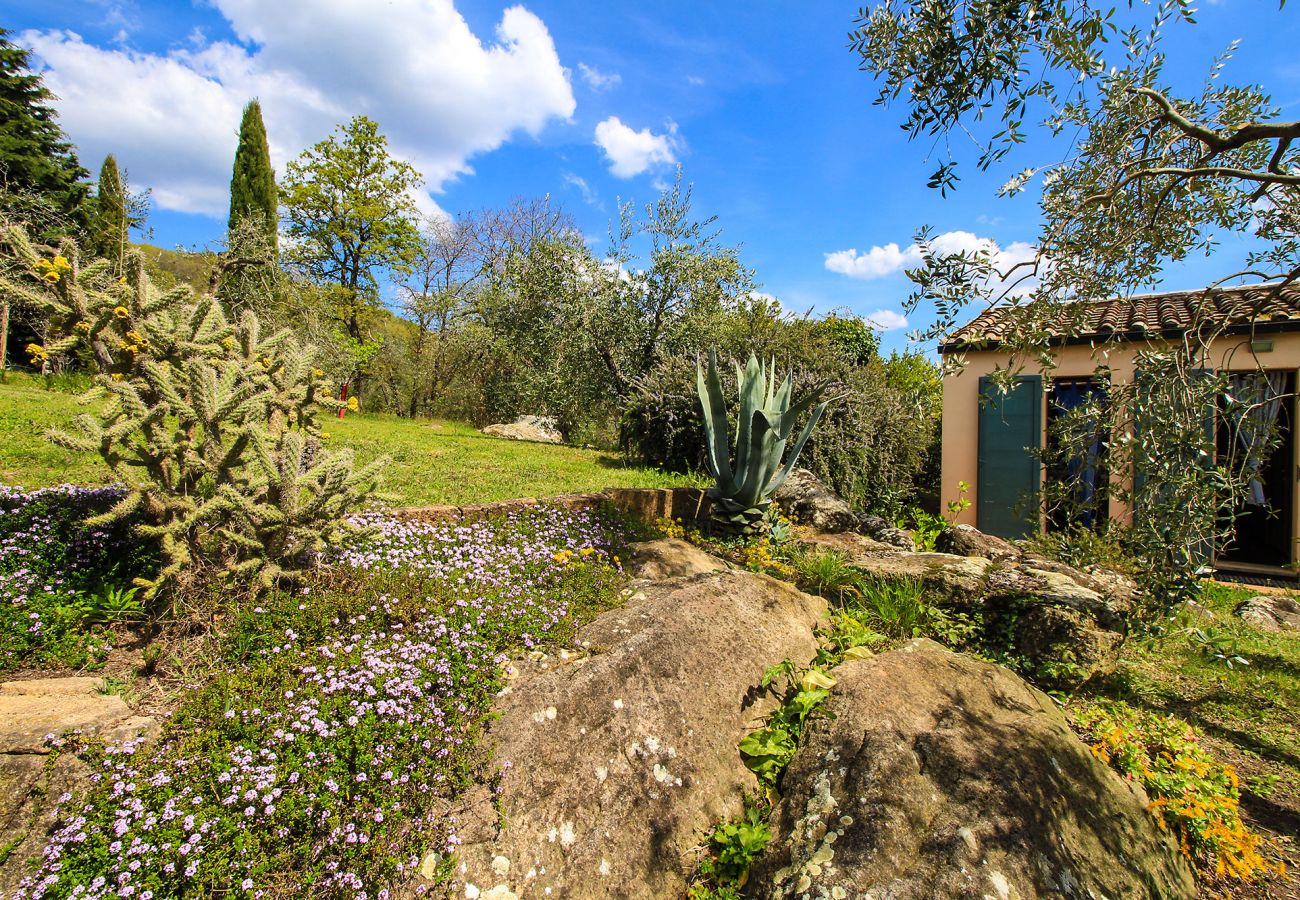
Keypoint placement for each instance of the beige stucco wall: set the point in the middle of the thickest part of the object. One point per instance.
(961, 400)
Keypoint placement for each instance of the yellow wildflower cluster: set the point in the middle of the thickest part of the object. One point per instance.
(353, 404)
(1192, 794)
(758, 557)
(37, 353)
(674, 528)
(53, 269)
(82, 327)
(564, 557)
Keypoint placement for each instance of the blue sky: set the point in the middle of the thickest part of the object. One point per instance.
(761, 104)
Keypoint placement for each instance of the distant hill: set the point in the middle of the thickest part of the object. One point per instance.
(169, 268)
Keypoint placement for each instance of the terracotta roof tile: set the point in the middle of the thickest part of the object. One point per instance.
(1148, 315)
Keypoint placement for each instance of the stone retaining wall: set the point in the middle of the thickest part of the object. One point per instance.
(647, 504)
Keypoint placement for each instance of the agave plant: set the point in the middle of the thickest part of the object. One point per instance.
(742, 491)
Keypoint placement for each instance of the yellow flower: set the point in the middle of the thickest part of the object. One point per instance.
(121, 312)
(52, 276)
(324, 435)
(353, 405)
(317, 373)
(117, 376)
(83, 327)
(61, 263)
(37, 353)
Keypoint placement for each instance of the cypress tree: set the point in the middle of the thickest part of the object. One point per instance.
(109, 229)
(253, 195)
(35, 155)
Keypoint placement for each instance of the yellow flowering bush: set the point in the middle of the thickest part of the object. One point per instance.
(1191, 793)
(758, 556)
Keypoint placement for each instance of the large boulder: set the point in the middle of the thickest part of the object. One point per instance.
(967, 540)
(805, 498)
(950, 580)
(541, 429)
(672, 558)
(1270, 612)
(886, 532)
(935, 775)
(29, 785)
(617, 763)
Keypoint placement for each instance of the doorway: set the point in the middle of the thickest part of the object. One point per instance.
(1262, 531)
(1077, 481)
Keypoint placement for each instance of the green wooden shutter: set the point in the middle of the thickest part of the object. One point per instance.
(1010, 469)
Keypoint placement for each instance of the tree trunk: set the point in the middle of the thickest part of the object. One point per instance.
(4, 334)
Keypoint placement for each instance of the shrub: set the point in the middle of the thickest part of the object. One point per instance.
(1190, 791)
(210, 425)
(62, 580)
(872, 446)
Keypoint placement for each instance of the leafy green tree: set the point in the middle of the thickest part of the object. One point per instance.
(36, 160)
(351, 219)
(253, 195)
(1135, 176)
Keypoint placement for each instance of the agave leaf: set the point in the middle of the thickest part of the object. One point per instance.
(790, 463)
(752, 387)
(715, 419)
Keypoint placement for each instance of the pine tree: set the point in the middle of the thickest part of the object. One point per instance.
(109, 222)
(253, 194)
(37, 163)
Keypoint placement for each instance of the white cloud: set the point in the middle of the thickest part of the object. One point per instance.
(886, 319)
(632, 152)
(875, 263)
(881, 261)
(588, 195)
(438, 91)
(598, 80)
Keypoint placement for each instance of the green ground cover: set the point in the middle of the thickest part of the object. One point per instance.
(431, 461)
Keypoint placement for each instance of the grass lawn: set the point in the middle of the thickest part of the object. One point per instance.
(431, 461)
(1247, 715)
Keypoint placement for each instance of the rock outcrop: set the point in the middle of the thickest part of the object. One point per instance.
(810, 502)
(934, 775)
(541, 429)
(886, 532)
(967, 540)
(1269, 612)
(619, 762)
(672, 558)
(30, 710)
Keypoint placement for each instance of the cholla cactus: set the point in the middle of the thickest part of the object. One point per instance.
(210, 425)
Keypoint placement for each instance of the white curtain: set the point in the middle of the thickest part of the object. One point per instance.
(1258, 400)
